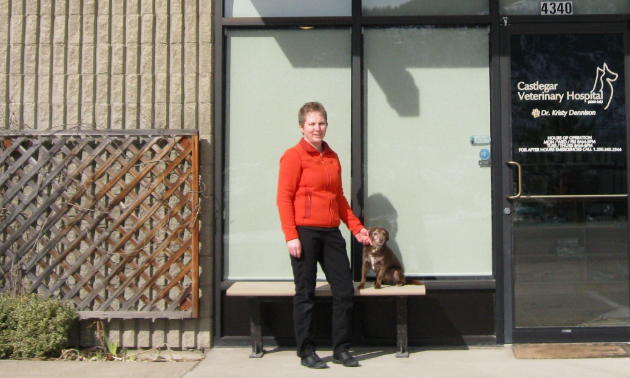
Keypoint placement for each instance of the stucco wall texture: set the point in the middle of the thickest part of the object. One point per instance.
(116, 64)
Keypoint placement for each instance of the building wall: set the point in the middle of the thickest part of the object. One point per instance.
(116, 64)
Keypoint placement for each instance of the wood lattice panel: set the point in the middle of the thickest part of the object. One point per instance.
(106, 221)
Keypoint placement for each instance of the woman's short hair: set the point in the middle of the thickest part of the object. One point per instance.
(313, 106)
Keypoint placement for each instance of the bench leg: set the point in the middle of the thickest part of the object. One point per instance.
(255, 328)
(401, 326)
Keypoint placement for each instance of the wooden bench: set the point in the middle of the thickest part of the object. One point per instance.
(267, 289)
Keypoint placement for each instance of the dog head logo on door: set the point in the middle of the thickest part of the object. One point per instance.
(604, 74)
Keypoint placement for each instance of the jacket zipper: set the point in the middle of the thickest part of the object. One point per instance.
(329, 199)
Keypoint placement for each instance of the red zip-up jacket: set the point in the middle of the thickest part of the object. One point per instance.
(310, 191)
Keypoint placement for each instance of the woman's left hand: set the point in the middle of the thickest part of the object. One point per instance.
(363, 237)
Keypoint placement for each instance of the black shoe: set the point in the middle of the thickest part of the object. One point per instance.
(314, 362)
(346, 359)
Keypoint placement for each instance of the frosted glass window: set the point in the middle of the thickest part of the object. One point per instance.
(287, 8)
(532, 7)
(424, 7)
(270, 75)
(427, 92)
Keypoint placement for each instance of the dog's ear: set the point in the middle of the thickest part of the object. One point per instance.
(386, 235)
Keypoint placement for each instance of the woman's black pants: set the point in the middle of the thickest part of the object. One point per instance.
(328, 247)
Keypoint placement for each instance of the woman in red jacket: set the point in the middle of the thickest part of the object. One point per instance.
(311, 205)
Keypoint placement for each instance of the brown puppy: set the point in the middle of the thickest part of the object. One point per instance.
(382, 261)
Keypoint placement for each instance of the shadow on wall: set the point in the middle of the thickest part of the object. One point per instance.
(392, 75)
(390, 54)
(380, 212)
(386, 217)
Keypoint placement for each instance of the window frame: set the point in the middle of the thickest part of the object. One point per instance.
(355, 191)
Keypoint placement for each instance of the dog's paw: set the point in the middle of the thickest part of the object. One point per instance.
(377, 285)
(361, 285)
(399, 283)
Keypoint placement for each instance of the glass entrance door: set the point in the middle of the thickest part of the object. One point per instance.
(568, 200)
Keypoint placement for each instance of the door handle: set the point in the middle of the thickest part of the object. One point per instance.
(565, 196)
(520, 180)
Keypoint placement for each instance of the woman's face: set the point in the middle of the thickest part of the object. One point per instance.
(314, 128)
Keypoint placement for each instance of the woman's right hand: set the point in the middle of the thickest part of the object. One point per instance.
(295, 248)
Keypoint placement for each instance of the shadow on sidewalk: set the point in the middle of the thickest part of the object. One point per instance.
(368, 353)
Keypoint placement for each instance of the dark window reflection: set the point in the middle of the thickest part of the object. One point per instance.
(571, 263)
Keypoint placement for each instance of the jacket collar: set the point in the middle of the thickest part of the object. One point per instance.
(310, 149)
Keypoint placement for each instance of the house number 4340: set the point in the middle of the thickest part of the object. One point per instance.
(549, 8)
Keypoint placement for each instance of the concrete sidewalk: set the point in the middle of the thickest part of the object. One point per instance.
(479, 362)
(426, 363)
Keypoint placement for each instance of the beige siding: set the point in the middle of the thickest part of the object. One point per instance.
(140, 333)
(116, 64)
(120, 64)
